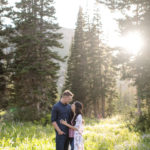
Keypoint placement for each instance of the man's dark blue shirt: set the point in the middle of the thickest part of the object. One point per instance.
(61, 111)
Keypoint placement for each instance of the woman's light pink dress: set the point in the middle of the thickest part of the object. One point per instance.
(78, 138)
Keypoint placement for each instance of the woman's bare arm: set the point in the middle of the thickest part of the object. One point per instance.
(68, 125)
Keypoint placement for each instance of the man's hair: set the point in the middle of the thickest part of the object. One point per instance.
(67, 93)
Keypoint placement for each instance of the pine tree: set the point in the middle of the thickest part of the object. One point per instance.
(102, 71)
(4, 75)
(34, 63)
(77, 62)
(90, 72)
(68, 79)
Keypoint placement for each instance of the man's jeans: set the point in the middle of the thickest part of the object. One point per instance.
(62, 142)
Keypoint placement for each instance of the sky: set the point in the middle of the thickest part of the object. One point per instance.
(67, 10)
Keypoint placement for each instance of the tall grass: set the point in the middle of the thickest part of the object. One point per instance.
(106, 134)
(26, 136)
(112, 134)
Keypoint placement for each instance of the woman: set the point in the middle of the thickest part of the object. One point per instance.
(77, 126)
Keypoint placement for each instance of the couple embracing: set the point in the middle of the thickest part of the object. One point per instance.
(68, 123)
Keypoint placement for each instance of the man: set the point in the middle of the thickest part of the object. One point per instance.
(62, 110)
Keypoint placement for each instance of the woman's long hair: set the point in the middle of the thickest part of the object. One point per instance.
(78, 110)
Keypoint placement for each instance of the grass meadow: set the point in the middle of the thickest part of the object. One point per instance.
(105, 134)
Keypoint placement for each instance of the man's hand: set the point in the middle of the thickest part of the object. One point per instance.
(61, 132)
(64, 122)
(57, 128)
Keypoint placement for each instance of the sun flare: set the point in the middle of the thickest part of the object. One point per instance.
(132, 42)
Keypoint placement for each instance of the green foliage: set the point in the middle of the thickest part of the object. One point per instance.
(44, 120)
(137, 123)
(142, 123)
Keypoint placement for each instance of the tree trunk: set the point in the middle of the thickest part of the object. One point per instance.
(139, 106)
(103, 106)
(95, 108)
